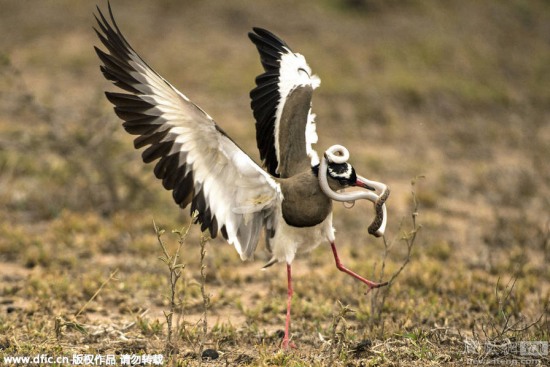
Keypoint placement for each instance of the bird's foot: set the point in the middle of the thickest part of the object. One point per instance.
(287, 344)
(373, 285)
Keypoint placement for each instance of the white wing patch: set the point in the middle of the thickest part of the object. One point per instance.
(311, 138)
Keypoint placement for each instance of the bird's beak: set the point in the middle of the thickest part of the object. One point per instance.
(377, 187)
(379, 197)
(364, 185)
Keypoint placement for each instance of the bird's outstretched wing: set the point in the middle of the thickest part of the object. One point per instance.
(281, 103)
(196, 159)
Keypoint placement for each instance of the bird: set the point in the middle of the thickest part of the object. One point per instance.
(289, 197)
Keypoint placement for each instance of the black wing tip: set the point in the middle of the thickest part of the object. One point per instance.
(257, 31)
(264, 33)
(260, 30)
(109, 9)
(262, 97)
(109, 33)
(263, 36)
(101, 20)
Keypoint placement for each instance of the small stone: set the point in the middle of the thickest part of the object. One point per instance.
(243, 359)
(362, 346)
(279, 334)
(210, 354)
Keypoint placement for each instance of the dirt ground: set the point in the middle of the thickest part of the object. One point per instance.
(446, 102)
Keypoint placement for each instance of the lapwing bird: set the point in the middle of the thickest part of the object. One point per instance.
(291, 200)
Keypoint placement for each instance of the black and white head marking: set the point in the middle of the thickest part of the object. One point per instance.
(344, 173)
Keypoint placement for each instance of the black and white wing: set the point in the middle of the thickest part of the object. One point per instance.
(281, 102)
(196, 159)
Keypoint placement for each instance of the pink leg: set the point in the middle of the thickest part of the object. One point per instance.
(341, 267)
(286, 339)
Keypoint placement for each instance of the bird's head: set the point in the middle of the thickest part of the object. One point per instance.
(340, 173)
(335, 174)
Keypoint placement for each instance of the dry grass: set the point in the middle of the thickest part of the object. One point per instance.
(454, 91)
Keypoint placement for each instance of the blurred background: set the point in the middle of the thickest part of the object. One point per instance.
(457, 92)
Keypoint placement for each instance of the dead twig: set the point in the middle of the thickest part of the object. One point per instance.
(338, 337)
(205, 296)
(175, 269)
(111, 277)
(379, 298)
(61, 323)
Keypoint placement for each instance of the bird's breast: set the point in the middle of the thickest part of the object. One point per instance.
(305, 206)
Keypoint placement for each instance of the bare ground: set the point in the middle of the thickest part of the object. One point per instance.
(456, 92)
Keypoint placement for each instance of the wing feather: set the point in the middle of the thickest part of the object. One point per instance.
(195, 159)
(285, 71)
